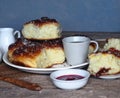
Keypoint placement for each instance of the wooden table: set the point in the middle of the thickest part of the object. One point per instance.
(96, 88)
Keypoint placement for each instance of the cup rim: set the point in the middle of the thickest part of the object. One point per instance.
(6, 28)
(72, 38)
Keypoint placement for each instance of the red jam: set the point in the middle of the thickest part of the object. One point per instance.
(70, 77)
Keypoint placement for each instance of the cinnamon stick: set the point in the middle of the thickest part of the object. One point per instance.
(21, 83)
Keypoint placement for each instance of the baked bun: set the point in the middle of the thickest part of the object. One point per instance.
(104, 63)
(42, 29)
(112, 43)
(36, 54)
(92, 47)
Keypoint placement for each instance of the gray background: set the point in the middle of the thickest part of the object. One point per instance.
(74, 15)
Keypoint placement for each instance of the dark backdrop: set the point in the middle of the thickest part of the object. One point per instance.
(74, 15)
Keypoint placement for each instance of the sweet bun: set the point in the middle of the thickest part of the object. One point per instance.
(92, 47)
(104, 63)
(36, 54)
(42, 29)
(112, 43)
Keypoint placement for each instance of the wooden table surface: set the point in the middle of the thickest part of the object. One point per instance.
(96, 88)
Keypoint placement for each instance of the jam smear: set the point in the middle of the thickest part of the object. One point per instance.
(70, 77)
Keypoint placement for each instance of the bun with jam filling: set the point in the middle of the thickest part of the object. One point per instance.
(36, 54)
(42, 29)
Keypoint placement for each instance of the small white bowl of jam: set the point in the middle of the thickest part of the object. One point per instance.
(70, 79)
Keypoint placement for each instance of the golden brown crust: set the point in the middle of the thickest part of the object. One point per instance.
(42, 21)
(42, 29)
(25, 52)
(25, 48)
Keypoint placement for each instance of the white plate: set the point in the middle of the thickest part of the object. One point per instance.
(42, 70)
(110, 76)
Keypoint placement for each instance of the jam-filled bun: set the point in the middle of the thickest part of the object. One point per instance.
(42, 29)
(112, 43)
(106, 61)
(36, 54)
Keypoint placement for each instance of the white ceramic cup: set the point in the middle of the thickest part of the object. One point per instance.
(7, 37)
(76, 49)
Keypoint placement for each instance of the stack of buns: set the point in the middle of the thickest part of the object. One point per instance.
(42, 29)
(41, 45)
(106, 61)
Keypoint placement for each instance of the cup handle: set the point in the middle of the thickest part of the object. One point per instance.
(17, 33)
(97, 45)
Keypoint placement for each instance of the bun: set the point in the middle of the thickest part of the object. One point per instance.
(104, 63)
(112, 43)
(91, 48)
(36, 54)
(42, 29)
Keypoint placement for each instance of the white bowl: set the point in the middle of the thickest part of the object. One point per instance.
(71, 83)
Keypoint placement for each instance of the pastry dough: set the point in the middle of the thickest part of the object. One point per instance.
(36, 54)
(42, 29)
